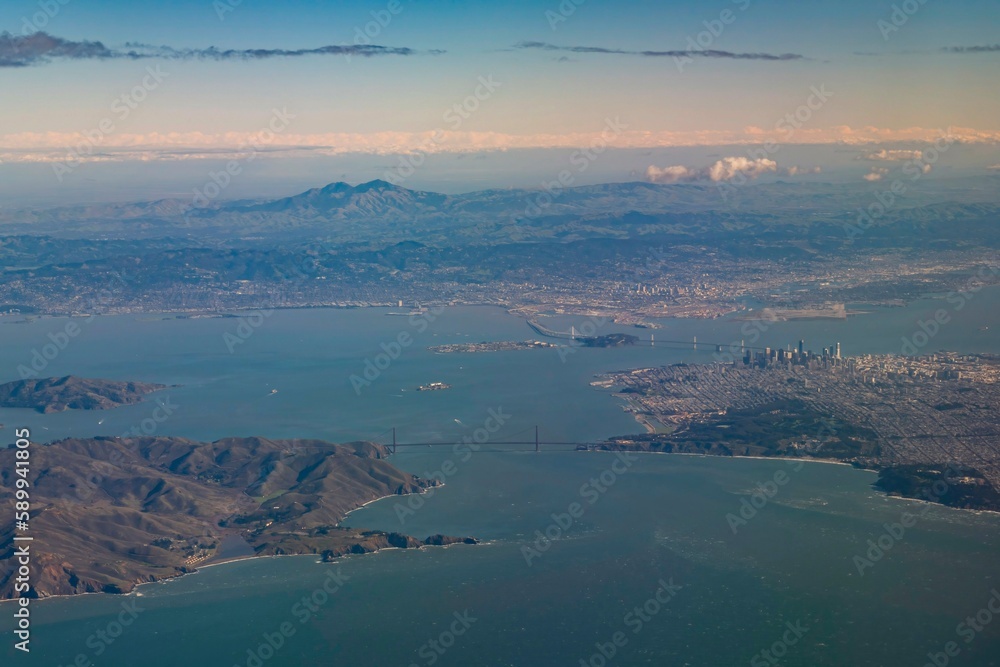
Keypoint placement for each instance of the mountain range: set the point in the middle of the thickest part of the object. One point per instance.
(379, 212)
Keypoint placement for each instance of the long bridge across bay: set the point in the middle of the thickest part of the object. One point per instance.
(530, 444)
(573, 334)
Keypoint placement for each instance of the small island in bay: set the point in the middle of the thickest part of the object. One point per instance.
(493, 346)
(73, 393)
(433, 386)
(111, 513)
(609, 340)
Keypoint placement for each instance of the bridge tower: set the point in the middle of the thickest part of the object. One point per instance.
(536, 438)
(393, 439)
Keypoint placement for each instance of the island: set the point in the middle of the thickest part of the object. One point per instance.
(928, 424)
(493, 346)
(111, 513)
(73, 393)
(433, 386)
(609, 340)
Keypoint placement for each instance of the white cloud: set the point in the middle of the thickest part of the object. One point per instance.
(798, 171)
(675, 174)
(876, 174)
(729, 168)
(884, 155)
(726, 169)
(121, 146)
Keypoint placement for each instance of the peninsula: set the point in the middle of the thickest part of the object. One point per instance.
(929, 424)
(111, 513)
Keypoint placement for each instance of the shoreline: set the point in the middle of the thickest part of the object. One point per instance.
(929, 503)
(236, 559)
(884, 494)
(135, 592)
(524, 311)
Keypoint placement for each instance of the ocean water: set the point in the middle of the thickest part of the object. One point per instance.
(621, 529)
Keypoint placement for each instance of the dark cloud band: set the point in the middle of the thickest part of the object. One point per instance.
(978, 48)
(704, 53)
(40, 48)
(987, 48)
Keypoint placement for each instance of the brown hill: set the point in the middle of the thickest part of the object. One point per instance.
(110, 513)
(74, 393)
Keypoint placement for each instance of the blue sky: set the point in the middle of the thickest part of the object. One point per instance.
(552, 99)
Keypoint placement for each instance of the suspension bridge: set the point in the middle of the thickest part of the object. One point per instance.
(573, 334)
(390, 440)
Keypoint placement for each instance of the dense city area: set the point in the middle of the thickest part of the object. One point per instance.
(627, 284)
(933, 409)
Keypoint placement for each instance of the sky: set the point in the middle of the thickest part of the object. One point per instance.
(99, 88)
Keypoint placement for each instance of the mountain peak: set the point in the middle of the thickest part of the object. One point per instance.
(339, 186)
(377, 184)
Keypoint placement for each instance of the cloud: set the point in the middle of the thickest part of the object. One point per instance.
(726, 169)
(876, 174)
(175, 145)
(729, 168)
(675, 174)
(884, 155)
(40, 48)
(994, 167)
(21, 51)
(702, 53)
(979, 48)
(798, 171)
(986, 48)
